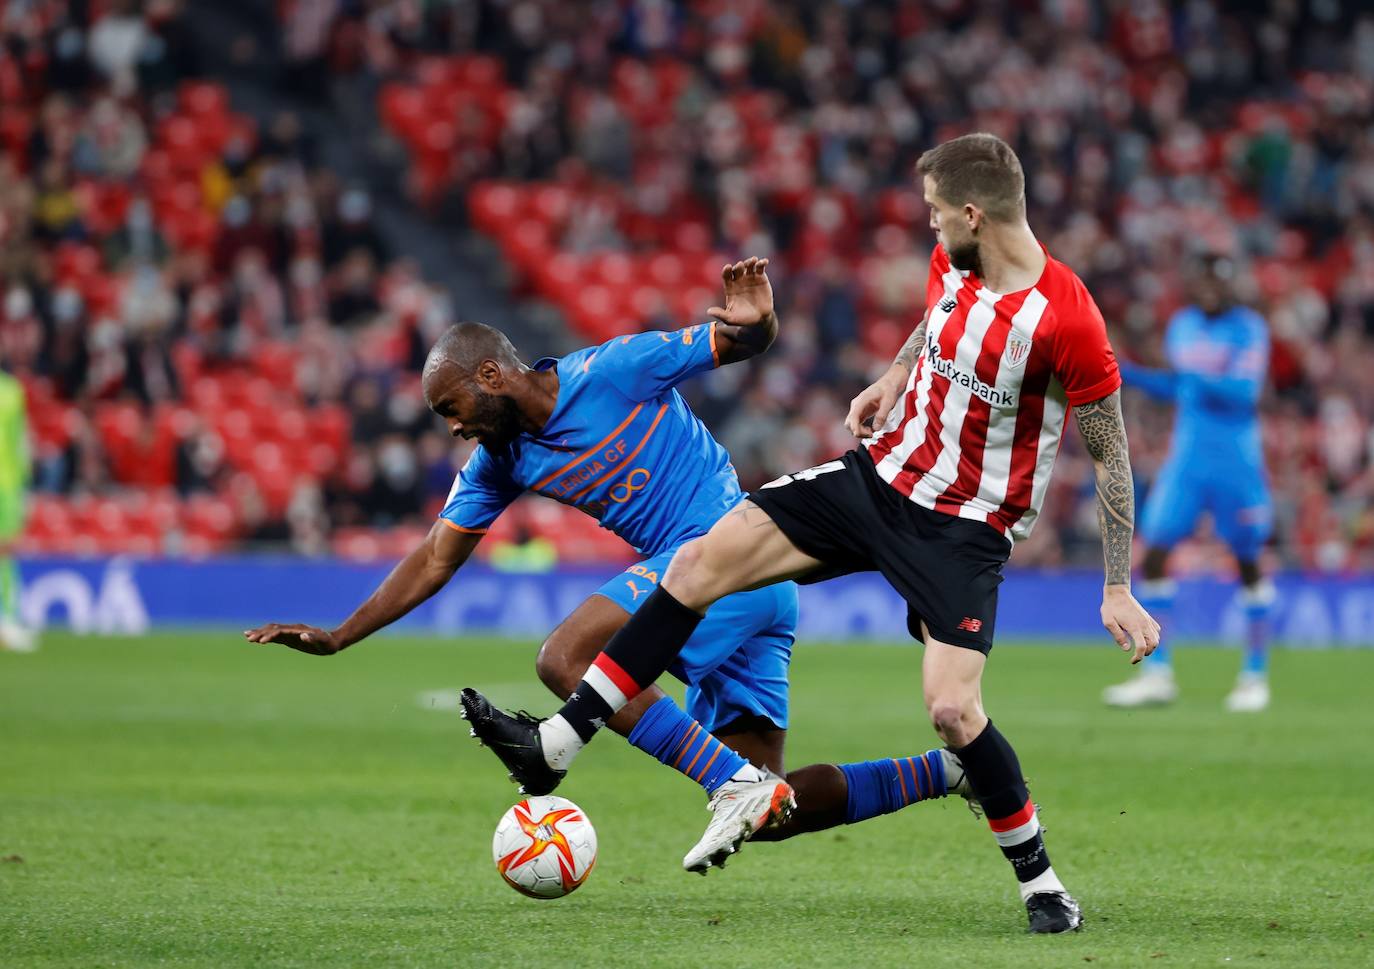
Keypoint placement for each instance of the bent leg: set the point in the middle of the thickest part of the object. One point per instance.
(653, 722)
(743, 550)
(575, 643)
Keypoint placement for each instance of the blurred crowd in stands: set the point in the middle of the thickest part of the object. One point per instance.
(201, 311)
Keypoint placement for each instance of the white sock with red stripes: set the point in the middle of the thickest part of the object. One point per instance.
(603, 692)
(635, 657)
(1021, 842)
(995, 775)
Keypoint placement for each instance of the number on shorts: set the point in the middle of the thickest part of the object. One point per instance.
(810, 474)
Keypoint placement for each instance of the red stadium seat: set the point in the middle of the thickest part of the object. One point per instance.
(691, 304)
(691, 238)
(649, 303)
(202, 99)
(612, 269)
(180, 135)
(551, 204)
(560, 278)
(527, 245)
(666, 269)
(492, 203)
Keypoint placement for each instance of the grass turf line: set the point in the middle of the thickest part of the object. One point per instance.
(193, 800)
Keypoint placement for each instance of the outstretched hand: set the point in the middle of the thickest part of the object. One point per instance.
(305, 639)
(748, 294)
(1134, 629)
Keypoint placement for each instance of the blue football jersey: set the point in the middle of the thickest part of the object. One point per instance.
(1218, 366)
(621, 445)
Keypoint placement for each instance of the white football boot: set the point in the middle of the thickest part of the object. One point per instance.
(956, 782)
(1147, 688)
(739, 809)
(1251, 694)
(16, 638)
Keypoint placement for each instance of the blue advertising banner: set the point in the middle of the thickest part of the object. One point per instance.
(132, 596)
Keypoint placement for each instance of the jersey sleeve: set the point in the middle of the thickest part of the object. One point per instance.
(1083, 359)
(646, 365)
(480, 493)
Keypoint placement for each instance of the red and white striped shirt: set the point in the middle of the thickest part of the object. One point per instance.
(979, 427)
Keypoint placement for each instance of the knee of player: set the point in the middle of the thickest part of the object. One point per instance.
(554, 666)
(690, 575)
(949, 714)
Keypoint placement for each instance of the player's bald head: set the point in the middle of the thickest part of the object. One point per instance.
(462, 349)
(473, 379)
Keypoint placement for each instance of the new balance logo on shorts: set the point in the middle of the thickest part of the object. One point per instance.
(970, 625)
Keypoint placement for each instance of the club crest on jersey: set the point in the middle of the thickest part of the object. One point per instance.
(1016, 352)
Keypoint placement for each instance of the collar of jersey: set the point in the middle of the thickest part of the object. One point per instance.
(548, 363)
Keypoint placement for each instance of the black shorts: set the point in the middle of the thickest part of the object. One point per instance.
(946, 568)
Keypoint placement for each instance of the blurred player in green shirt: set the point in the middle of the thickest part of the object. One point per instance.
(14, 483)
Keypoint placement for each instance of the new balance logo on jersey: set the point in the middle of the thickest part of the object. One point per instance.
(945, 368)
(970, 625)
(947, 304)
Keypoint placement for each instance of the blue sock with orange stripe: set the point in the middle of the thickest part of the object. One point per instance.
(666, 732)
(883, 786)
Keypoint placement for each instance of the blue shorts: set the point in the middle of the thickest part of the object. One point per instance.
(1237, 495)
(735, 664)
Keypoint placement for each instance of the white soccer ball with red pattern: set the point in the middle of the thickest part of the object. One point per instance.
(544, 847)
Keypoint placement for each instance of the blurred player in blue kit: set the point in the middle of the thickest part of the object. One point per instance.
(604, 430)
(1218, 352)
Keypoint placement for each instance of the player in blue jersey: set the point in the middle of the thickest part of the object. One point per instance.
(1218, 351)
(604, 430)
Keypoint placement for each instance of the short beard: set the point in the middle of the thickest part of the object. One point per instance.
(967, 256)
(501, 415)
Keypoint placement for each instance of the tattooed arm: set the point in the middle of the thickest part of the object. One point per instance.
(1104, 435)
(869, 410)
(911, 350)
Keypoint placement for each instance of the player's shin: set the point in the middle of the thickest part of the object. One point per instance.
(1258, 601)
(995, 775)
(667, 733)
(1157, 598)
(878, 787)
(637, 655)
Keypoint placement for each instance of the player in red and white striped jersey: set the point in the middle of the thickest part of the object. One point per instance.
(983, 406)
(961, 435)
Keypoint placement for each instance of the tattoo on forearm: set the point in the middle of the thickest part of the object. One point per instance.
(911, 350)
(1104, 434)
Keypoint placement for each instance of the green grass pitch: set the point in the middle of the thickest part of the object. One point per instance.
(191, 800)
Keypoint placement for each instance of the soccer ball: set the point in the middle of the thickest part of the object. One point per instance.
(544, 847)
